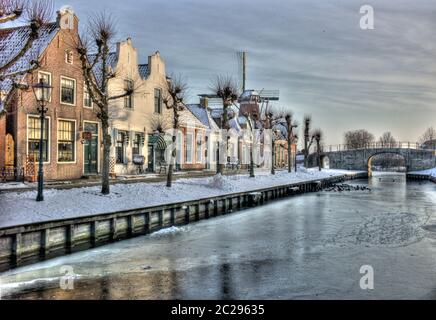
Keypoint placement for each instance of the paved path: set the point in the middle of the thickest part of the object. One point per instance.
(95, 181)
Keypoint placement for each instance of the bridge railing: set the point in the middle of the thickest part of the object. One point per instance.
(381, 145)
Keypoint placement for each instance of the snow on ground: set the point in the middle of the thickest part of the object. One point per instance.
(429, 172)
(21, 208)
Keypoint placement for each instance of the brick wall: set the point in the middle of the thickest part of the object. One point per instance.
(2, 140)
(53, 61)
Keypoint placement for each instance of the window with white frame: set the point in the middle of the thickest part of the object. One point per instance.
(87, 101)
(136, 143)
(120, 146)
(199, 144)
(189, 140)
(68, 91)
(158, 101)
(33, 138)
(69, 56)
(179, 147)
(66, 141)
(128, 100)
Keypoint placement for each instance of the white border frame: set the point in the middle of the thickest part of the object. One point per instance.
(60, 91)
(75, 141)
(48, 137)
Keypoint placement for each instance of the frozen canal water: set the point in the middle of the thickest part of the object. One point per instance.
(305, 247)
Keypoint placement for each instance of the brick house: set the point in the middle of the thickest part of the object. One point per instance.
(2, 137)
(67, 155)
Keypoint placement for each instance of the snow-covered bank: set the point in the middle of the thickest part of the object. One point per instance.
(21, 208)
(429, 172)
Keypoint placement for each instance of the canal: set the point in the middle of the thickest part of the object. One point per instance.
(305, 247)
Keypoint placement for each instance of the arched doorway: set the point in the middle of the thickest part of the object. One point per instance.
(325, 162)
(386, 162)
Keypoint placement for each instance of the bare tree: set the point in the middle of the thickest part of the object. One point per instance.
(226, 89)
(102, 33)
(387, 140)
(174, 101)
(429, 138)
(37, 13)
(274, 118)
(308, 139)
(291, 138)
(159, 123)
(317, 137)
(358, 139)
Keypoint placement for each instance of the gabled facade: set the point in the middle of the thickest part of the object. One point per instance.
(132, 118)
(70, 116)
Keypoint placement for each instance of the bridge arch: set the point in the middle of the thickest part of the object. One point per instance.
(371, 157)
(416, 159)
(325, 161)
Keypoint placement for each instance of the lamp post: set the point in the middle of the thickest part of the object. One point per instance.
(42, 91)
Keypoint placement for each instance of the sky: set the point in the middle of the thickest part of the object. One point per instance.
(314, 52)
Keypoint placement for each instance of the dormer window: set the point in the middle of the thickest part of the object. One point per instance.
(69, 56)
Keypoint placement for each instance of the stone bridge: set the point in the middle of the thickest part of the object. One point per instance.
(360, 159)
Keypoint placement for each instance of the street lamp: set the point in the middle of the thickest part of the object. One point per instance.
(42, 91)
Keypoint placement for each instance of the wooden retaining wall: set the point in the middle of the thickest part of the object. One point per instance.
(413, 176)
(25, 244)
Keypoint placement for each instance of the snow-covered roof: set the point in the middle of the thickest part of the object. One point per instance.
(216, 113)
(203, 115)
(144, 71)
(283, 130)
(187, 119)
(248, 95)
(12, 41)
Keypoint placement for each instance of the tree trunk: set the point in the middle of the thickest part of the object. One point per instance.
(318, 155)
(306, 152)
(273, 157)
(172, 162)
(218, 155)
(106, 159)
(251, 163)
(289, 156)
(223, 152)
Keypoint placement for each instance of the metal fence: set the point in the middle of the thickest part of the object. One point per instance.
(380, 145)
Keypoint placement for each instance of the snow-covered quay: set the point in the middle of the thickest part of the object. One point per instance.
(21, 208)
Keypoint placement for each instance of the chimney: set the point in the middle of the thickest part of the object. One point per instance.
(204, 102)
(66, 18)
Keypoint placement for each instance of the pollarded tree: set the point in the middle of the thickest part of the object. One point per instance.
(36, 13)
(308, 139)
(97, 73)
(226, 89)
(174, 101)
(291, 138)
(317, 136)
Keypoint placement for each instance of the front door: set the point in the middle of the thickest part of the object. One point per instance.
(150, 158)
(90, 161)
